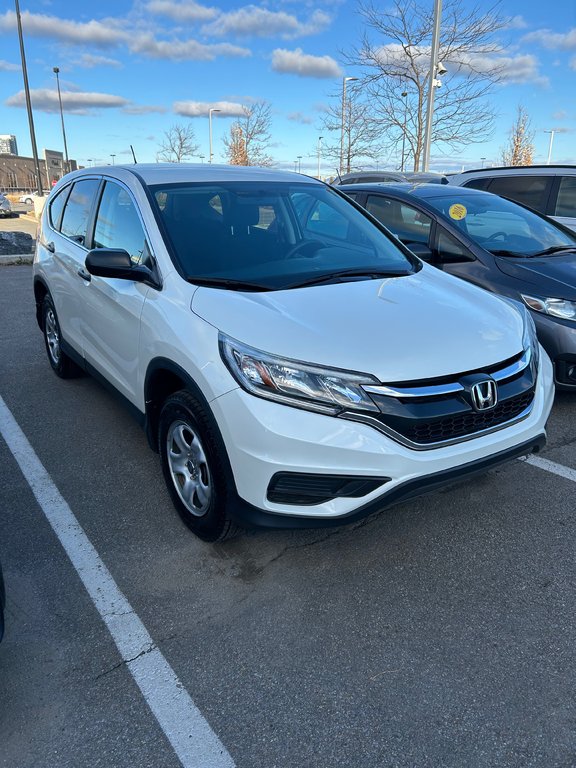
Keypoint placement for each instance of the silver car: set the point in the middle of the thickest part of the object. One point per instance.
(5, 206)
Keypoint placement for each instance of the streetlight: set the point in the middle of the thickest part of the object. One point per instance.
(405, 97)
(202, 157)
(482, 159)
(28, 101)
(56, 72)
(552, 132)
(344, 81)
(299, 158)
(112, 156)
(319, 150)
(436, 68)
(295, 166)
(210, 129)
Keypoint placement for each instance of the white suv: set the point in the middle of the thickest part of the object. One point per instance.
(291, 361)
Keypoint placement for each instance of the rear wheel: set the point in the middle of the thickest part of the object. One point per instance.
(61, 364)
(193, 467)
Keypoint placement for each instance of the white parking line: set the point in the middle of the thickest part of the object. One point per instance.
(552, 466)
(192, 739)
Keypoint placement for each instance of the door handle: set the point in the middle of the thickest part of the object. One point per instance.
(84, 274)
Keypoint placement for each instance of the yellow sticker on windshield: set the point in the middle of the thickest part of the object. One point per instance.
(457, 211)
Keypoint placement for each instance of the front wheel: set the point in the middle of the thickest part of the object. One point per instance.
(193, 467)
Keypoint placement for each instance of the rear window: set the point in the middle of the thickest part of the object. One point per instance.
(78, 208)
(528, 190)
(478, 184)
(566, 202)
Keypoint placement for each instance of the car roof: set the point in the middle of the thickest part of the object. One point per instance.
(513, 170)
(420, 191)
(174, 173)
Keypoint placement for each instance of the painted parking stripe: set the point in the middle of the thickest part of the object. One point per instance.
(191, 737)
(552, 466)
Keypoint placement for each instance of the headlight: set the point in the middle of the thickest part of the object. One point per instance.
(530, 339)
(554, 307)
(326, 390)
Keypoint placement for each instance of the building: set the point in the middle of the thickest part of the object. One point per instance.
(18, 174)
(8, 144)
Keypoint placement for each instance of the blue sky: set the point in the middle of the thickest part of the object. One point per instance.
(129, 69)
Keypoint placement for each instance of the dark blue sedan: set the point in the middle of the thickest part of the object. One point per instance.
(491, 242)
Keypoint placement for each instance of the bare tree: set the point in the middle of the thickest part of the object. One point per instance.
(362, 134)
(398, 61)
(178, 144)
(520, 149)
(250, 136)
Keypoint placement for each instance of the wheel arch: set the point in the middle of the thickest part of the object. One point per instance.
(40, 292)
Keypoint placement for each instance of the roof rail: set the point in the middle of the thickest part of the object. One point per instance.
(515, 167)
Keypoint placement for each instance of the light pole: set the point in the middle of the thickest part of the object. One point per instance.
(342, 127)
(436, 67)
(319, 151)
(112, 156)
(482, 159)
(28, 102)
(56, 72)
(405, 97)
(202, 157)
(210, 129)
(299, 158)
(550, 146)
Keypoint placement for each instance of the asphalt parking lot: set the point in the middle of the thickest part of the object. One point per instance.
(438, 633)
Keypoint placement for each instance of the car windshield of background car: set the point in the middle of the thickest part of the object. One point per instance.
(501, 226)
(276, 235)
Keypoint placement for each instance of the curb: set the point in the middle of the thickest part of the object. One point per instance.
(16, 258)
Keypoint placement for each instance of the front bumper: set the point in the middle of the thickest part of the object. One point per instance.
(558, 337)
(264, 438)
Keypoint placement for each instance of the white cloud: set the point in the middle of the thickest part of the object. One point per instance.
(560, 115)
(88, 61)
(6, 66)
(304, 65)
(103, 34)
(252, 21)
(184, 50)
(516, 22)
(555, 40)
(186, 11)
(202, 108)
(78, 103)
(298, 117)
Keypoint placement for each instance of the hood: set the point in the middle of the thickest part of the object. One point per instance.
(398, 329)
(551, 276)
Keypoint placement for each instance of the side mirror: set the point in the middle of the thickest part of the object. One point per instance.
(112, 262)
(421, 250)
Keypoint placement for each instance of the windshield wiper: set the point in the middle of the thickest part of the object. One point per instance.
(370, 274)
(554, 249)
(504, 252)
(226, 282)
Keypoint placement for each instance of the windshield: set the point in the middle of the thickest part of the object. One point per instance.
(272, 235)
(502, 226)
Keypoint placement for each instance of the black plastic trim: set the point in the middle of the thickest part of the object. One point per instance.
(246, 514)
(315, 488)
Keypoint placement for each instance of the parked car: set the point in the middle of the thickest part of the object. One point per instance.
(28, 198)
(426, 177)
(290, 360)
(494, 243)
(5, 206)
(365, 177)
(548, 189)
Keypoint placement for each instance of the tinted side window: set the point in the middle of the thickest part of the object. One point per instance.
(566, 203)
(477, 183)
(407, 223)
(529, 190)
(449, 249)
(118, 224)
(57, 206)
(77, 210)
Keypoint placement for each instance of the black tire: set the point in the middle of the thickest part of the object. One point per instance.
(61, 364)
(193, 468)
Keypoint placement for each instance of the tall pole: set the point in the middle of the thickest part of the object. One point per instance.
(404, 96)
(432, 83)
(550, 146)
(319, 151)
(56, 72)
(28, 102)
(343, 123)
(299, 163)
(210, 129)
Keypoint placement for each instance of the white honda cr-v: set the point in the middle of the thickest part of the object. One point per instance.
(291, 361)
